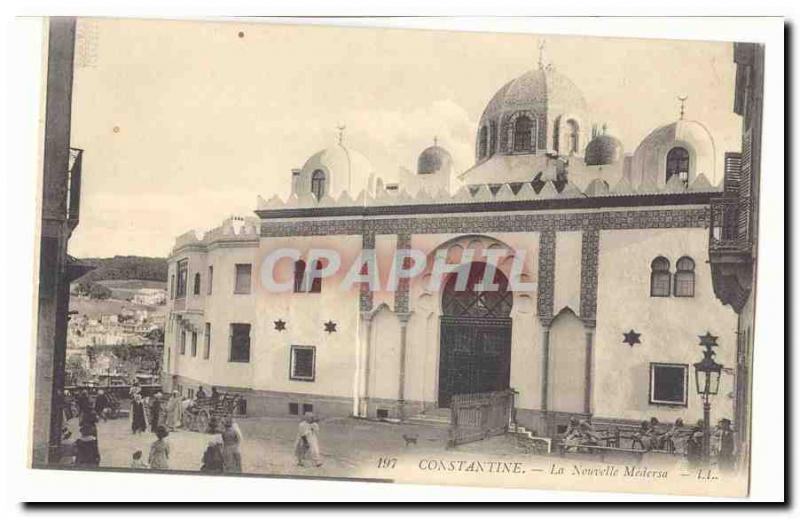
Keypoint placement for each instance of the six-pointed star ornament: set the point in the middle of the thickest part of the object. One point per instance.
(631, 338)
(330, 326)
(280, 325)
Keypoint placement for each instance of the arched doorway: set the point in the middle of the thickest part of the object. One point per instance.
(475, 338)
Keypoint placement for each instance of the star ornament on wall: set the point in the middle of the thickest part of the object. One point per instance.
(280, 325)
(631, 338)
(330, 326)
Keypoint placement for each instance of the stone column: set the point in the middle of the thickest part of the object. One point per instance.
(545, 362)
(366, 357)
(589, 326)
(401, 381)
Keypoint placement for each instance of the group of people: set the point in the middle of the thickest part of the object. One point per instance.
(159, 410)
(676, 438)
(163, 415)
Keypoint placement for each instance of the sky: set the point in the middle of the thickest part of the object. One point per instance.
(184, 123)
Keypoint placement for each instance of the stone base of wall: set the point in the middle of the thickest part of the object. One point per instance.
(378, 408)
(260, 403)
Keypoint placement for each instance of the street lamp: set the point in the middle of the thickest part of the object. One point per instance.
(707, 373)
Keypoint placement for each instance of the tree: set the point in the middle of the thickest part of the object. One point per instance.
(98, 291)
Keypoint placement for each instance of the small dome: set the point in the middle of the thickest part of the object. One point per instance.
(650, 158)
(603, 150)
(344, 169)
(433, 160)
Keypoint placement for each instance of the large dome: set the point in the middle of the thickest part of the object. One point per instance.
(555, 116)
(649, 163)
(343, 169)
(539, 90)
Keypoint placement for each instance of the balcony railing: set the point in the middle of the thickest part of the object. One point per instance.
(730, 225)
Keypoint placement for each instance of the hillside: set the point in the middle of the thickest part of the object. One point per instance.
(125, 268)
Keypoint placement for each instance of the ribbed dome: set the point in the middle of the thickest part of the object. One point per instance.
(541, 90)
(433, 159)
(603, 150)
(345, 170)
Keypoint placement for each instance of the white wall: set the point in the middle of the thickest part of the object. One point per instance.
(669, 326)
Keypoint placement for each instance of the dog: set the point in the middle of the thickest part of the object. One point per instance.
(410, 439)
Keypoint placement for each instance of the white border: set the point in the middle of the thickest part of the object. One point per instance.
(22, 53)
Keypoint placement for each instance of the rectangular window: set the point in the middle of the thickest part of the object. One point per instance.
(307, 407)
(240, 343)
(183, 278)
(668, 383)
(210, 279)
(293, 409)
(243, 274)
(301, 366)
(207, 349)
(194, 344)
(183, 342)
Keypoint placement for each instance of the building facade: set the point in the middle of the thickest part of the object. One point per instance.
(611, 251)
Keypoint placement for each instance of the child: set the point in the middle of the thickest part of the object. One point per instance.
(137, 462)
(86, 451)
(159, 450)
(213, 461)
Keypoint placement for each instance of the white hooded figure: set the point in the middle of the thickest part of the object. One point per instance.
(307, 443)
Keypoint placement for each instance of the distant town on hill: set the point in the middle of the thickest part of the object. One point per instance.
(125, 267)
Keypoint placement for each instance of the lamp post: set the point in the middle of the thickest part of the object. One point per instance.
(707, 373)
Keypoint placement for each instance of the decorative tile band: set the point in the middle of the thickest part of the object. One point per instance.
(673, 217)
(589, 254)
(547, 265)
(365, 298)
(401, 302)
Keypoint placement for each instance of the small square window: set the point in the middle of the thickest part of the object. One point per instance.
(382, 413)
(307, 407)
(294, 409)
(243, 277)
(668, 384)
(302, 361)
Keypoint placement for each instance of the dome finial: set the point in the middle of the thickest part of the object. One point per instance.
(435, 140)
(341, 128)
(683, 104)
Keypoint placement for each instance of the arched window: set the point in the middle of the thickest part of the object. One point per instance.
(299, 278)
(318, 187)
(678, 164)
(659, 277)
(492, 137)
(684, 277)
(523, 128)
(197, 284)
(483, 142)
(299, 274)
(573, 136)
(316, 284)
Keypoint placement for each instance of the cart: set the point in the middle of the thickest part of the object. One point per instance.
(207, 415)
